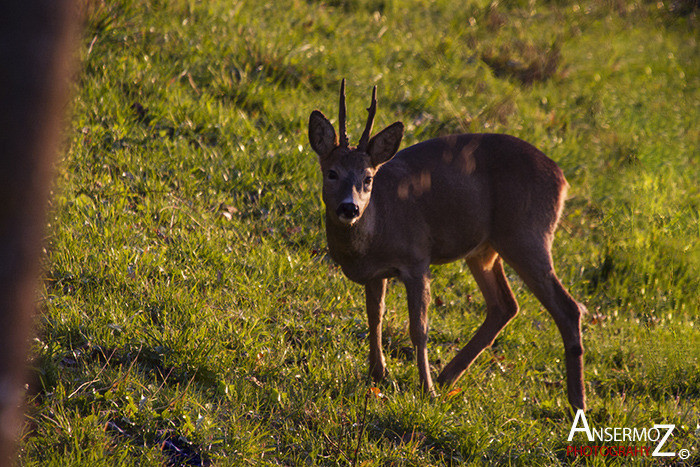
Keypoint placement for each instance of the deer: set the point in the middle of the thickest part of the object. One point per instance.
(479, 197)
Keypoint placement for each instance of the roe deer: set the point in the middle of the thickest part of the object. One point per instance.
(478, 197)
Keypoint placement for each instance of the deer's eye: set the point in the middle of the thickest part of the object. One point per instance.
(368, 180)
(332, 175)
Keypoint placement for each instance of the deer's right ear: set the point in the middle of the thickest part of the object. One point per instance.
(321, 134)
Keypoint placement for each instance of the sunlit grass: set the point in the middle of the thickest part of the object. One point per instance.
(190, 313)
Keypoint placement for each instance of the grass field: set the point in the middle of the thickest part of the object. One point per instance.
(190, 314)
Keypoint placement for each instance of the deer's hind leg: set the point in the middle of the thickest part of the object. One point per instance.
(532, 261)
(501, 307)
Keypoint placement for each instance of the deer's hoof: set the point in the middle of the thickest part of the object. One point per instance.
(379, 374)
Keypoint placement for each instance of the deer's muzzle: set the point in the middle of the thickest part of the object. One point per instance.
(348, 212)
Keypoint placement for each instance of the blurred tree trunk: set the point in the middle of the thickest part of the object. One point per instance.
(36, 38)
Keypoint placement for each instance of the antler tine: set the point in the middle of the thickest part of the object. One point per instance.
(341, 116)
(364, 140)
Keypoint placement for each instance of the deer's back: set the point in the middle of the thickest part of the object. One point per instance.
(472, 188)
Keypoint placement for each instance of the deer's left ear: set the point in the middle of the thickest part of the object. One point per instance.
(384, 144)
(321, 134)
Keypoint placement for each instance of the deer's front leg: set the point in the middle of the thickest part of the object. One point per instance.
(374, 294)
(418, 295)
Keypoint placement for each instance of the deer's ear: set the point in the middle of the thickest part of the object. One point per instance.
(384, 144)
(321, 134)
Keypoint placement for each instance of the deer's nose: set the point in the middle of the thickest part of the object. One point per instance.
(348, 210)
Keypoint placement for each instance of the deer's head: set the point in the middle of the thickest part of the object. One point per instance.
(348, 171)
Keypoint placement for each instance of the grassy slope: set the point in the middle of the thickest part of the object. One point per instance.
(189, 310)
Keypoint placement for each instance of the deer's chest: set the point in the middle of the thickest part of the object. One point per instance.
(362, 265)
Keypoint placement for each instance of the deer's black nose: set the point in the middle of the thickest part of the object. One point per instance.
(348, 210)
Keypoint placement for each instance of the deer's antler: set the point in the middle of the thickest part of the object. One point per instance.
(364, 140)
(341, 117)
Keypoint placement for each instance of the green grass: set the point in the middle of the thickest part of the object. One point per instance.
(190, 313)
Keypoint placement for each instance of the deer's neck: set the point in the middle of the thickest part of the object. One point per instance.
(348, 244)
